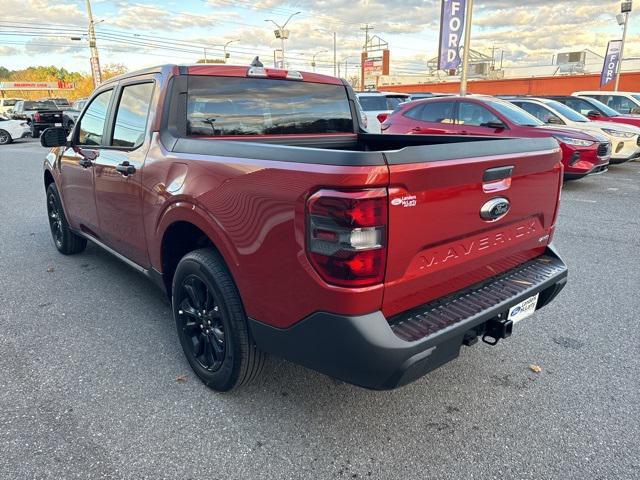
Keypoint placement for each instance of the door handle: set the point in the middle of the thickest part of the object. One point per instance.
(415, 129)
(85, 162)
(125, 168)
(87, 156)
(464, 132)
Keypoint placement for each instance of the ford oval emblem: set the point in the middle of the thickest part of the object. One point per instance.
(495, 209)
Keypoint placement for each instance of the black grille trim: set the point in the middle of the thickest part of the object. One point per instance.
(430, 318)
(604, 149)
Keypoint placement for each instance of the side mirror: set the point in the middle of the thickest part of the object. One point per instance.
(593, 114)
(635, 111)
(554, 121)
(494, 125)
(54, 137)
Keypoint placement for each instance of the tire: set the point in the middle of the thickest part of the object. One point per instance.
(67, 242)
(5, 137)
(212, 324)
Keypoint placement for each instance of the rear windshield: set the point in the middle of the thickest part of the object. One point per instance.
(48, 105)
(219, 106)
(9, 103)
(374, 103)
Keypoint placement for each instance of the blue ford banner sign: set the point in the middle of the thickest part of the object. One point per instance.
(611, 61)
(451, 28)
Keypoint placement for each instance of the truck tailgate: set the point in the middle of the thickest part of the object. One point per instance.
(50, 116)
(439, 241)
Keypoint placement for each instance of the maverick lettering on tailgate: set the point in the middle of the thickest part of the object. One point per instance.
(452, 253)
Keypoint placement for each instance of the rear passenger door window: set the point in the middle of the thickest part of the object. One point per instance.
(438, 112)
(473, 115)
(131, 116)
(91, 128)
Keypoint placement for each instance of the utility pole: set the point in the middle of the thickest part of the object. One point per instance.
(626, 11)
(95, 60)
(366, 29)
(465, 53)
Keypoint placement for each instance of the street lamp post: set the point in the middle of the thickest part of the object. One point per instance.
(281, 33)
(226, 54)
(313, 60)
(335, 50)
(625, 11)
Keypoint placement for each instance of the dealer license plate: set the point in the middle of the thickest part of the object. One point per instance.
(524, 309)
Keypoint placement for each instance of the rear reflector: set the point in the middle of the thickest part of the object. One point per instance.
(382, 117)
(346, 239)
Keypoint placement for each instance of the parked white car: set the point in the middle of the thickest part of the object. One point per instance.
(625, 139)
(623, 102)
(11, 130)
(379, 103)
(7, 104)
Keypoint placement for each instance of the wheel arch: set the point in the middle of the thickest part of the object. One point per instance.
(184, 229)
(48, 178)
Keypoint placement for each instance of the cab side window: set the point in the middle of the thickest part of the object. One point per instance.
(475, 115)
(437, 112)
(92, 122)
(132, 114)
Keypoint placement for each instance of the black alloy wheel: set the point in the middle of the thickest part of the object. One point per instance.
(200, 318)
(55, 220)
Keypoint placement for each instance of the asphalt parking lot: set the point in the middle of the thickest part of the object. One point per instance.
(90, 370)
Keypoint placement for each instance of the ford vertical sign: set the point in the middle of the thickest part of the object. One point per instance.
(451, 28)
(611, 61)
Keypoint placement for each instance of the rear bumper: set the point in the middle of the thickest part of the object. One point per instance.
(379, 353)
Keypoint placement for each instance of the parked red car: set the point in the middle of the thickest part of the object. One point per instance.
(583, 153)
(596, 110)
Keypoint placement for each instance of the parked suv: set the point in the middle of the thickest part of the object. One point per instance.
(377, 105)
(253, 198)
(625, 139)
(595, 110)
(7, 104)
(583, 153)
(623, 102)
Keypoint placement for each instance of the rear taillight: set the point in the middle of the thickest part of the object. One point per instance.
(347, 236)
(36, 117)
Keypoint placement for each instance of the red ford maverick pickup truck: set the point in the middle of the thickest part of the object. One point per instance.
(277, 225)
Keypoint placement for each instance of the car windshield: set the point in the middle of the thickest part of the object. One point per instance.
(570, 113)
(515, 114)
(61, 101)
(636, 96)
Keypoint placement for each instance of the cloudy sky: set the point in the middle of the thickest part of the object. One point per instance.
(144, 32)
